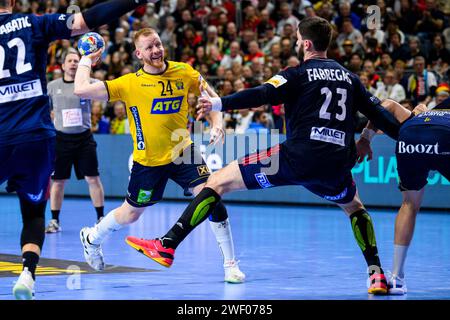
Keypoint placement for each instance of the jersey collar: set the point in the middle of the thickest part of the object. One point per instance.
(157, 74)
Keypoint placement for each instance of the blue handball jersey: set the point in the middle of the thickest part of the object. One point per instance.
(440, 115)
(24, 104)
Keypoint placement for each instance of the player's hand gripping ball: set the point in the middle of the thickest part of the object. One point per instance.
(90, 43)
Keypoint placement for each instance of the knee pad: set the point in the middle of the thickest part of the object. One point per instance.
(219, 214)
(33, 217)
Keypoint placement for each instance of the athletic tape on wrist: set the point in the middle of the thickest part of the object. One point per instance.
(216, 104)
(85, 61)
(368, 134)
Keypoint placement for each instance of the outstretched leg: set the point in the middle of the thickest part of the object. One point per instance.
(364, 233)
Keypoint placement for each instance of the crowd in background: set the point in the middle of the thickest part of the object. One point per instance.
(240, 44)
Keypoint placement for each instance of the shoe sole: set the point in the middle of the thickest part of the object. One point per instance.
(48, 231)
(234, 281)
(147, 254)
(378, 291)
(84, 251)
(394, 292)
(21, 292)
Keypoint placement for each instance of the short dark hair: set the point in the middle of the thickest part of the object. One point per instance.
(317, 30)
(5, 3)
(69, 51)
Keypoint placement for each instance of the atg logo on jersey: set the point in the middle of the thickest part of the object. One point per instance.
(166, 105)
(328, 135)
(263, 180)
(140, 143)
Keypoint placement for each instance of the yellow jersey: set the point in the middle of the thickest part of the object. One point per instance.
(157, 110)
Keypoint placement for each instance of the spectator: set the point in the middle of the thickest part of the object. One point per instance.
(286, 17)
(298, 8)
(346, 13)
(264, 23)
(385, 62)
(202, 12)
(421, 84)
(389, 88)
(432, 19)
(326, 12)
(287, 50)
(293, 62)
(355, 63)
(119, 125)
(259, 123)
(150, 17)
(243, 119)
(407, 15)
(212, 39)
(442, 93)
(254, 52)
(414, 50)
(122, 45)
(200, 57)
(372, 77)
(270, 38)
(265, 5)
(349, 32)
(231, 34)
(347, 52)
(375, 33)
(251, 20)
(116, 64)
(399, 68)
(99, 123)
(438, 53)
(398, 50)
(364, 77)
(168, 37)
(257, 68)
(289, 32)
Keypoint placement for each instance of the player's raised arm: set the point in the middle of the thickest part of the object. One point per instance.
(104, 13)
(273, 91)
(82, 85)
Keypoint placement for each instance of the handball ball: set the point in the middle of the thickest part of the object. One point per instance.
(89, 43)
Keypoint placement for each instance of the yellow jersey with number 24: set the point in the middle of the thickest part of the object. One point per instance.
(157, 110)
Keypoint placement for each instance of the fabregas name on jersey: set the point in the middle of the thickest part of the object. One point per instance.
(328, 75)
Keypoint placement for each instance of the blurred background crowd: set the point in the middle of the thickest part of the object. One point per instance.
(240, 44)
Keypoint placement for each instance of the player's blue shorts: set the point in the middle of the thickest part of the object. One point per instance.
(27, 168)
(421, 149)
(272, 168)
(147, 184)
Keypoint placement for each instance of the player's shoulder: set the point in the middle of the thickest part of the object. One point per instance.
(179, 66)
(127, 77)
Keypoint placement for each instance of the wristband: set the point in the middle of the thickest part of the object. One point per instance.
(85, 61)
(368, 134)
(216, 104)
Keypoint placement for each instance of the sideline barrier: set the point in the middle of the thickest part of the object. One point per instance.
(376, 179)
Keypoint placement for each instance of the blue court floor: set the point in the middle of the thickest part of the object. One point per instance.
(286, 253)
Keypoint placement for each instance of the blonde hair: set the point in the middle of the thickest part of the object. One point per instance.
(143, 33)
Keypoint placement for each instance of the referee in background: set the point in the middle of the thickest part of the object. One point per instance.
(75, 145)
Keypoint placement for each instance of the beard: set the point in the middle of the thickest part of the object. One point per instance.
(300, 53)
(159, 64)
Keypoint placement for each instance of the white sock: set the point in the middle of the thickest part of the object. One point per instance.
(222, 231)
(107, 226)
(399, 260)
